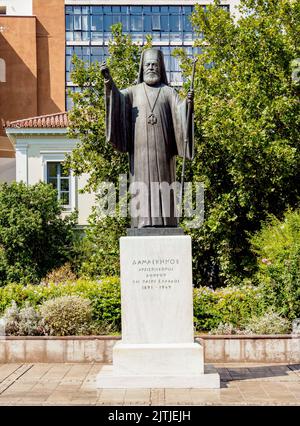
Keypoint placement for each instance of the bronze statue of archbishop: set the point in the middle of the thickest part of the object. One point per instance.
(149, 122)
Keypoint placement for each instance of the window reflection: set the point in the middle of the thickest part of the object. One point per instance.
(136, 23)
(107, 22)
(97, 23)
(156, 23)
(166, 20)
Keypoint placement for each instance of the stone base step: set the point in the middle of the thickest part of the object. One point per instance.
(209, 380)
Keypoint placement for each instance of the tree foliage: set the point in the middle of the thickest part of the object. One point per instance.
(34, 238)
(247, 116)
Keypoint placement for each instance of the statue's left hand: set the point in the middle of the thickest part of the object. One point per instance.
(105, 71)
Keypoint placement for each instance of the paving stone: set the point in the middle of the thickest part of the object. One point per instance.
(62, 397)
(7, 369)
(19, 387)
(229, 396)
(137, 396)
(293, 386)
(57, 372)
(45, 387)
(111, 396)
(86, 398)
(9, 399)
(157, 396)
(75, 384)
(198, 396)
(178, 396)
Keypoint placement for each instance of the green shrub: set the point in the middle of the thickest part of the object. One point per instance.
(211, 307)
(22, 322)
(34, 238)
(10, 293)
(28, 321)
(231, 307)
(66, 315)
(269, 323)
(234, 305)
(61, 274)
(99, 248)
(107, 307)
(205, 312)
(11, 319)
(95, 328)
(277, 247)
(104, 295)
(224, 328)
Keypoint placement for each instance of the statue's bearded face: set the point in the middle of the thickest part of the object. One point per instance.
(151, 71)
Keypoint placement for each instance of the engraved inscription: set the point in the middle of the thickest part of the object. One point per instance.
(157, 273)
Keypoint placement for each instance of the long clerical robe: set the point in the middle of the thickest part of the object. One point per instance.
(152, 146)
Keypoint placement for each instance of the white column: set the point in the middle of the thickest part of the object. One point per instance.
(21, 162)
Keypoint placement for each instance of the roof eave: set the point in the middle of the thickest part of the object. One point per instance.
(35, 131)
(14, 132)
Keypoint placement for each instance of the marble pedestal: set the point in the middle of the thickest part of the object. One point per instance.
(157, 347)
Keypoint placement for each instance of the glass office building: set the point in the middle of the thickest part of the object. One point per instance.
(88, 30)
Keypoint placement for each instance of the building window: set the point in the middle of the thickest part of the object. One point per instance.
(167, 23)
(2, 71)
(59, 178)
(169, 26)
(2, 10)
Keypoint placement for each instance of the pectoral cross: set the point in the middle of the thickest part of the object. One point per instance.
(152, 119)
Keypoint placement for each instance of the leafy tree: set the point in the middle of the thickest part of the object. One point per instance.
(34, 238)
(247, 117)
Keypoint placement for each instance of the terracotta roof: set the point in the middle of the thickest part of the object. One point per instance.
(57, 120)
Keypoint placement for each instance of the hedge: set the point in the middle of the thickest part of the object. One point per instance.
(235, 305)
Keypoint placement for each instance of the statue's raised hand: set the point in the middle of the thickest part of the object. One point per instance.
(105, 71)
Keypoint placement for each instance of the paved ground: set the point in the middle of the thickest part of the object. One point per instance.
(74, 384)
